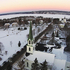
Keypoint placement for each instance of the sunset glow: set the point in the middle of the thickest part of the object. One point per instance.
(7, 6)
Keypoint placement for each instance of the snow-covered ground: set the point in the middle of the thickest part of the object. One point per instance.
(44, 15)
(10, 38)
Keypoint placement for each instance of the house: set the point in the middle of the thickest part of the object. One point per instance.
(41, 21)
(7, 25)
(14, 24)
(56, 59)
(63, 20)
(62, 25)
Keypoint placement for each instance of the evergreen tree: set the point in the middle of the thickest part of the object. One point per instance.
(67, 48)
(19, 43)
(35, 65)
(53, 34)
(57, 35)
(53, 37)
(44, 65)
(65, 26)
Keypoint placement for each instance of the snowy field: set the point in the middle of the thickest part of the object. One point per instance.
(44, 15)
(9, 39)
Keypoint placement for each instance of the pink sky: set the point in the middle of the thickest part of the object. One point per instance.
(7, 6)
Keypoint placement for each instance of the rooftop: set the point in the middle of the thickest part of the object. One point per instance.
(42, 56)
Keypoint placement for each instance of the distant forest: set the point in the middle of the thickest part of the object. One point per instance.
(40, 12)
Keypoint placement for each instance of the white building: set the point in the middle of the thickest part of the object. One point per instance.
(7, 25)
(41, 57)
(14, 24)
(61, 25)
(63, 20)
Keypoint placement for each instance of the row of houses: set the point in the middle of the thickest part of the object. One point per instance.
(14, 24)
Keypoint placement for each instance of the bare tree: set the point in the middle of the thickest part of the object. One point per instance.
(1, 47)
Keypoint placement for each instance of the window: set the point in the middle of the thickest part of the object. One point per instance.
(29, 49)
(29, 41)
(27, 64)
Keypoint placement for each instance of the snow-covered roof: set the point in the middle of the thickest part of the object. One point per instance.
(62, 25)
(15, 23)
(7, 23)
(59, 53)
(56, 38)
(50, 46)
(42, 56)
(59, 64)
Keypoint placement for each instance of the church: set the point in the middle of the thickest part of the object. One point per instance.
(56, 59)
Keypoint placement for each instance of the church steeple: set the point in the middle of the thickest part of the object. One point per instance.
(30, 40)
(30, 32)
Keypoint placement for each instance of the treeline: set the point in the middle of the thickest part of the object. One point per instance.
(67, 48)
(24, 20)
(39, 12)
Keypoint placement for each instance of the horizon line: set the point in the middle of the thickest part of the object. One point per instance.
(32, 11)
